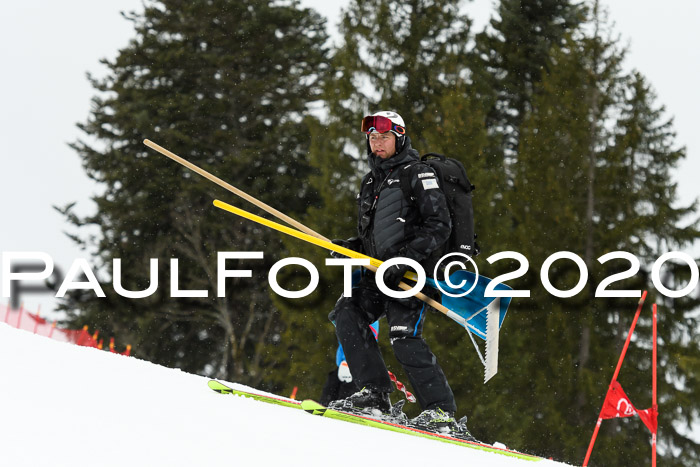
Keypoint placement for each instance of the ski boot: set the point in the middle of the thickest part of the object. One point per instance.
(443, 423)
(371, 403)
(461, 431)
(366, 398)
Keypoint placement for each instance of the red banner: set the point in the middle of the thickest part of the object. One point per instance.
(650, 418)
(617, 404)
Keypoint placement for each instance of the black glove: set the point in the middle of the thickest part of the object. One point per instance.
(353, 243)
(394, 275)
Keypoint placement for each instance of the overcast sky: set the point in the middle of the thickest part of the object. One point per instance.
(46, 47)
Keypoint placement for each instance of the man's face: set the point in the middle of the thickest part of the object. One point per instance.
(383, 144)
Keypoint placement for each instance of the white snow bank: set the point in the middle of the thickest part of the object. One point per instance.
(64, 405)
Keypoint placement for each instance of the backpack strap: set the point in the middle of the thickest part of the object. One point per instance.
(405, 180)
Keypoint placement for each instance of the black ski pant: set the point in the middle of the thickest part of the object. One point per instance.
(352, 317)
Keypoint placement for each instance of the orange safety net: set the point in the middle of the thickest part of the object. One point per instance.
(33, 322)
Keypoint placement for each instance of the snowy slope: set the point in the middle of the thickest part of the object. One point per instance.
(63, 405)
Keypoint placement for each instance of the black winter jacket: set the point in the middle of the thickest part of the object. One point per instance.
(391, 224)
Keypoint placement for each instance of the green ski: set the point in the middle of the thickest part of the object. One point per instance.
(315, 408)
(223, 389)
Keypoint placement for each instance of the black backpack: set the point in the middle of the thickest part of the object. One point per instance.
(452, 177)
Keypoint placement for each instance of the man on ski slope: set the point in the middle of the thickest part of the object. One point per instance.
(392, 224)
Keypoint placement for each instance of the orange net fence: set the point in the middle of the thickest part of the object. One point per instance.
(33, 322)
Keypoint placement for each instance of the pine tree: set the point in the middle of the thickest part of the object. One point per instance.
(515, 51)
(592, 176)
(399, 56)
(224, 84)
(639, 165)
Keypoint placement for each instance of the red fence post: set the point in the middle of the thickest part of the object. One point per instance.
(37, 318)
(19, 316)
(654, 407)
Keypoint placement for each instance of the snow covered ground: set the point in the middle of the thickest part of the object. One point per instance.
(64, 405)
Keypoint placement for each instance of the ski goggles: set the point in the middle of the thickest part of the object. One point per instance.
(381, 125)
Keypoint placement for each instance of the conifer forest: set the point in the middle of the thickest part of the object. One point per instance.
(569, 150)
